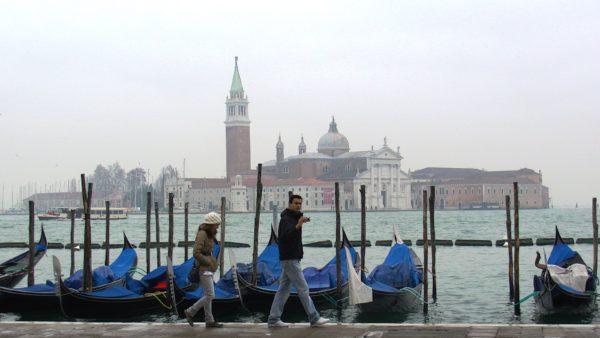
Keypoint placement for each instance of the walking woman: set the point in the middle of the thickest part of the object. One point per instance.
(207, 265)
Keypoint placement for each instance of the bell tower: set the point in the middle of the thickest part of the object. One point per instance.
(237, 127)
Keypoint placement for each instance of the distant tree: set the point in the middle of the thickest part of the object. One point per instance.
(166, 173)
(117, 177)
(101, 179)
(136, 186)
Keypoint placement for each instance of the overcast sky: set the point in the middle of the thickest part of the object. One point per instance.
(483, 84)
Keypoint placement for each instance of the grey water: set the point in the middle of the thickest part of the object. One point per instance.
(472, 281)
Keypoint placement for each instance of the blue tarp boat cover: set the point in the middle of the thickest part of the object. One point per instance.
(397, 271)
(126, 260)
(116, 291)
(106, 274)
(560, 254)
(269, 271)
(180, 272)
(48, 287)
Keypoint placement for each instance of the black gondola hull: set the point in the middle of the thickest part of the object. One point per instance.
(258, 299)
(80, 305)
(557, 300)
(20, 263)
(403, 301)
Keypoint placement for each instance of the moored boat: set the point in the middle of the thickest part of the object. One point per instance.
(566, 285)
(15, 269)
(397, 282)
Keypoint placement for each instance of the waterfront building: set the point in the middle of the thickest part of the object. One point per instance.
(466, 188)
(52, 200)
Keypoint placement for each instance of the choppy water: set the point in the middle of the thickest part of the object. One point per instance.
(472, 281)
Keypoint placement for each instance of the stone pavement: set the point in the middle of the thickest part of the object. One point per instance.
(146, 330)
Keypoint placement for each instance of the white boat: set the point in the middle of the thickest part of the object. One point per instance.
(115, 213)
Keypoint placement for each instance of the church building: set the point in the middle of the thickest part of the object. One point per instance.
(310, 174)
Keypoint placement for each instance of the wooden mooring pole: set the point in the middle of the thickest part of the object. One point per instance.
(338, 242)
(222, 242)
(148, 228)
(171, 226)
(72, 242)
(511, 285)
(432, 230)
(275, 219)
(595, 226)
(517, 248)
(186, 233)
(87, 235)
(30, 263)
(107, 241)
(259, 189)
(156, 213)
(425, 256)
(363, 227)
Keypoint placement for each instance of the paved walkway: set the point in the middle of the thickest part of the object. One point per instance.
(146, 330)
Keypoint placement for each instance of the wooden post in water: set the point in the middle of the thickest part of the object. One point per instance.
(595, 225)
(517, 248)
(87, 235)
(171, 226)
(363, 227)
(156, 213)
(30, 266)
(148, 228)
(338, 242)
(107, 250)
(432, 230)
(72, 242)
(511, 285)
(222, 242)
(275, 221)
(425, 255)
(259, 189)
(186, 212)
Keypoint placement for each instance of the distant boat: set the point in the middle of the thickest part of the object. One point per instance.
(53, 216)
(115, 213)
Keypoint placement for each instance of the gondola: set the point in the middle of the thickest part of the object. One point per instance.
(150, 295)
(397, 282)
(567, 285)
(321, 282)
(42, 297)
(15, 269)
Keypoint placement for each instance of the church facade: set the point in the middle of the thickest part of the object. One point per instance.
(309, 174)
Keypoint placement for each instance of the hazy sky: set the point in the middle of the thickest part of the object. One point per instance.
(483, 84)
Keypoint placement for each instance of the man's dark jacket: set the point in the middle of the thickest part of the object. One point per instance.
(290, 239)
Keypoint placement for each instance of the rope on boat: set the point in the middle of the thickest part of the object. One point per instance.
(334, 301)
(155, 295)
(138, 270)
(417, 295)
(534, 293)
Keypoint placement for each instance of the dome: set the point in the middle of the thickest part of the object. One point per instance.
(333, 143)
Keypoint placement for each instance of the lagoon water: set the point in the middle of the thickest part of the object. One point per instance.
(472, 281)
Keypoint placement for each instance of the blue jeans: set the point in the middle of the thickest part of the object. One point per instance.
(291, 274)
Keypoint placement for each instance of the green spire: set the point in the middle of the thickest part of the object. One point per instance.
(236, 83)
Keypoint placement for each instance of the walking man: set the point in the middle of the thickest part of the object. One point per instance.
(207, 265)
(290, 254)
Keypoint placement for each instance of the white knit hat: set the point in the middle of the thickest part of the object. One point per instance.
(212, 218)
